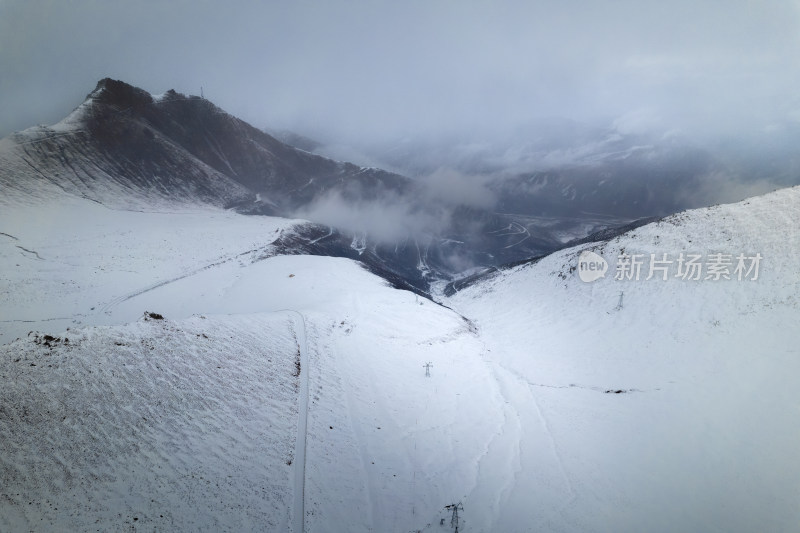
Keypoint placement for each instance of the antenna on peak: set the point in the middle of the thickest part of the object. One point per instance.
(201, 93)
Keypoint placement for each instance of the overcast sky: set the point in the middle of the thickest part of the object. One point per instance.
(367, 69)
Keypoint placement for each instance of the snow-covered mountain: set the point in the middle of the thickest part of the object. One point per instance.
(174, 371)
(652, 404)
(124, 147)
(122, 139)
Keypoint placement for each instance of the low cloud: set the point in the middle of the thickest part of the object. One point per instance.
(455, 188)
(390, 218)
(638, 122)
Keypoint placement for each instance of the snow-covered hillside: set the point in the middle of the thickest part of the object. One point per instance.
(387, 447)
(153, 426)
(67, 261)
(654, 405)
(287, 393)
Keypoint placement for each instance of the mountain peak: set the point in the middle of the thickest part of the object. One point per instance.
(118, 93)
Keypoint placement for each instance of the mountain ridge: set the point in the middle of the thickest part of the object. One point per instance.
(126, 148)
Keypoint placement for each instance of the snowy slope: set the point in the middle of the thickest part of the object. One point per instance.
(514, 422)
(155, 425)
(386, 447)
(705, 430)
(66, 259)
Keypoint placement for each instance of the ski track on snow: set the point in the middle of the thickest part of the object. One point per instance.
(298, 509)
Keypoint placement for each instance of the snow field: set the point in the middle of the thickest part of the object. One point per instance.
(387, 448)
(704, 434)
(69, 262)
(155, 425)
(516, 420)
